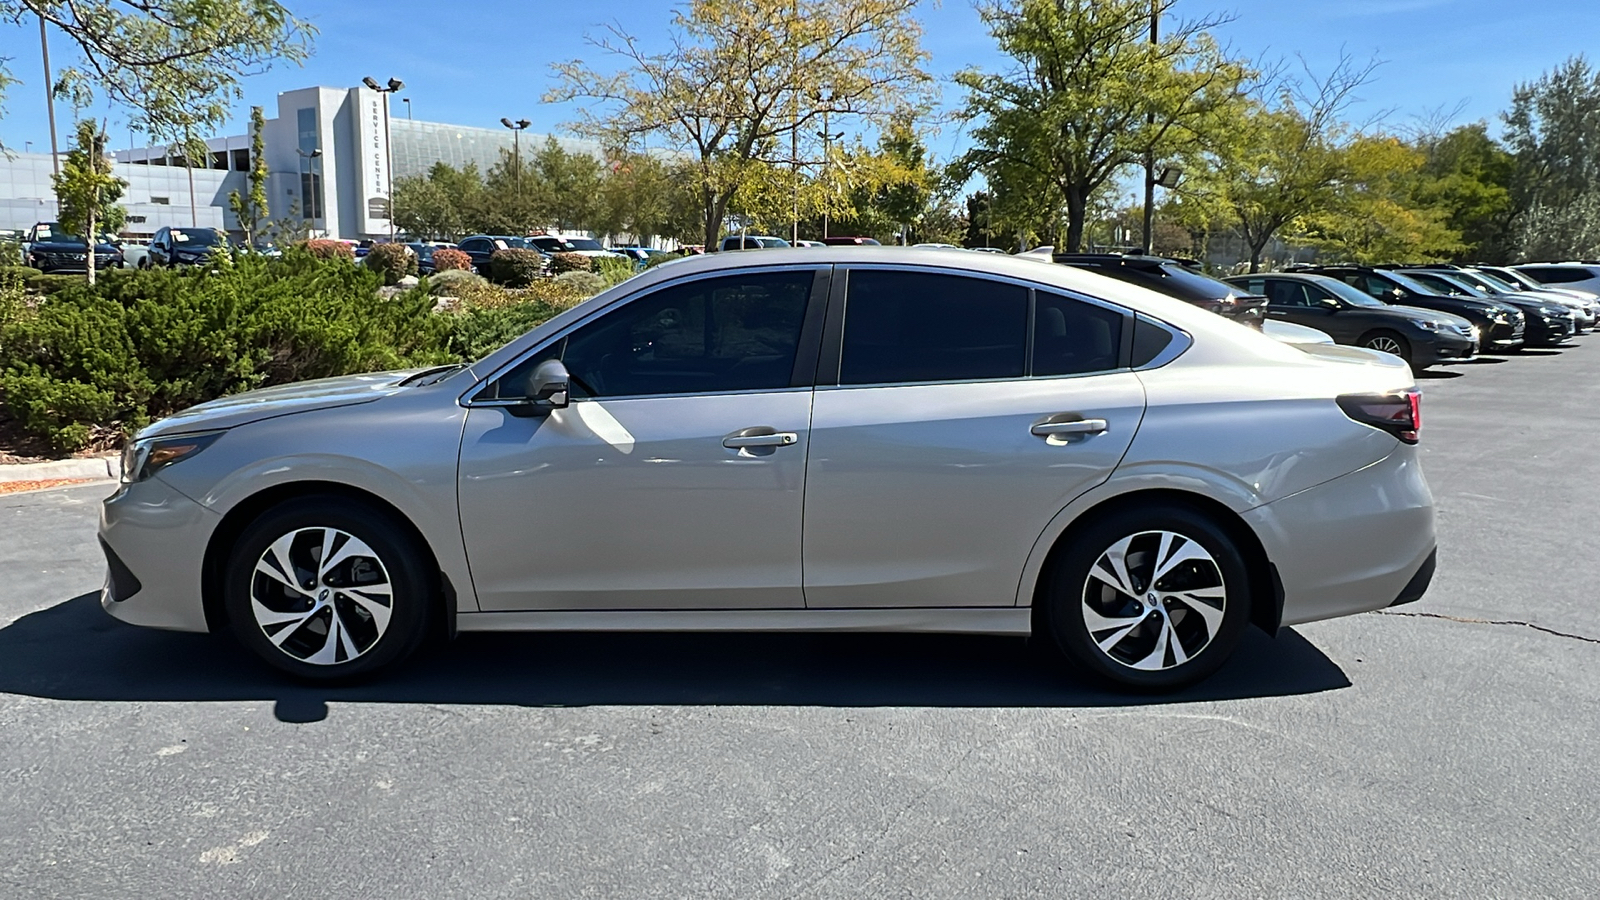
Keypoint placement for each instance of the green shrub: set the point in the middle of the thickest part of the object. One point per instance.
(10, 253)
(323, 248)
(570, 262)
(19, 274)
(449, 259)
(615, 271)
(516, 267)
(50, 283)
(586, 283)
(143, 345)
(657, 259)
(449, 281)
(391, 261)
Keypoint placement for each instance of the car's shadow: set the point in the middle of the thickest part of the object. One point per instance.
(1435, 374)
(75, 651)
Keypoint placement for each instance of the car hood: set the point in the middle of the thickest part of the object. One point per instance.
(282, 400)
(1426, 315)
(68, 247)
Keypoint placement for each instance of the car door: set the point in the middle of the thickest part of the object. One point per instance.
(158, 248)
(675, 478)
(941, 447)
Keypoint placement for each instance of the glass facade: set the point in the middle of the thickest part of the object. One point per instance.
(418, 145)
(310, 174)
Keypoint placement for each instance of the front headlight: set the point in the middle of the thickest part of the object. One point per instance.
(1425, 325)
(141, 459)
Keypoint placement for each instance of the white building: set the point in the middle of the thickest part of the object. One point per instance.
(326, 160)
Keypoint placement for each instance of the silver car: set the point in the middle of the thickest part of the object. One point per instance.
(799, 440)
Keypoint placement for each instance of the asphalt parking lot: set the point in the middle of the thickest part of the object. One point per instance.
(1444, 751)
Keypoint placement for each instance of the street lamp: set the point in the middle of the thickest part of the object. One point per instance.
(517, 128)
(394, 85)
(407, 102)
(312, 189)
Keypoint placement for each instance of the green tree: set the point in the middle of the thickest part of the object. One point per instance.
(746, 81)
(251, 208)
(176, 65)
(445, 203)
(1091, 95)
(87, 192)
(569, 185)
(1373, 219)
(1554, 131)
(1470, 177)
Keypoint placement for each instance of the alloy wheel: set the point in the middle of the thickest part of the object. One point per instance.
(321, 595)
(1154, 600)
(1386, 344)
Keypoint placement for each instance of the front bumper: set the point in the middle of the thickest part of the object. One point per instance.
(1352, 544)
(1543, 333)
(1442, 346)
(155, 540)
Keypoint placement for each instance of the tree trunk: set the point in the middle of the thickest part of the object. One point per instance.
(89, 244)
(715, 207)
(1077, 211)
(1255, 255)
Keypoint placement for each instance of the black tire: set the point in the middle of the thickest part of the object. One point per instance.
(1387, 341)
(1072, 594)
(413, 593)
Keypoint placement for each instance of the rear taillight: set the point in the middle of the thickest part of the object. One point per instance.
(1399, 413)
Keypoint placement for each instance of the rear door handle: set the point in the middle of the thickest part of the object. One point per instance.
(1076, 426)
(742, 440)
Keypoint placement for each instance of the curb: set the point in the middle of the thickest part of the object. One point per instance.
(96, 467)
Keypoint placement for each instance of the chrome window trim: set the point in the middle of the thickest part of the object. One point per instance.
(469, 398)
(1032, 287)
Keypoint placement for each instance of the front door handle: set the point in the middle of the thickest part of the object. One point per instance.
(744, 439)
(1075, 426)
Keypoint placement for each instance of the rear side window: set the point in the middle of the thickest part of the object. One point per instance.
(915, 326)
(1071, 337)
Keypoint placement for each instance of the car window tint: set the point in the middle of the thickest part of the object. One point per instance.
(734, 333)
(914, 326)
(1071, 337)
(1287, 293)
(1559, 274)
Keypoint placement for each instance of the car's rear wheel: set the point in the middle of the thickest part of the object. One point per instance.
(326, 589)
(1388, 342)
(1150, 597)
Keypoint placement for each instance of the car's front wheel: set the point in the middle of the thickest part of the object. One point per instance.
(1388, 342)
(325, 589)
(1150, 597)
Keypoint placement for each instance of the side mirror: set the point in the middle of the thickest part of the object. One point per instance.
(547, 390)
(1330, 304)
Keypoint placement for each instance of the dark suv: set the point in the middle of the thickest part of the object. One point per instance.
(49, 249)
(1173, 278)
(1500, 325)
(1421, 337)
(184, 246)
(482, 246)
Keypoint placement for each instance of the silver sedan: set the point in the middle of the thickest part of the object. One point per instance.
(820, 439)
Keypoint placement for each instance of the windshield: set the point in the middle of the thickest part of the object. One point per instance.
(1194, 281)
(1345, 292)
(1477, 281)
(199, 237)
(772, 243)
(1412, 284)
(572, 244)
(1446, 282)
(1511, 278)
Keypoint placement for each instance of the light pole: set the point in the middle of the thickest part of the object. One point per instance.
(517, 128)
(313, 187)
(394, 84)
(49, 97)
(407, 102)
(1150, 154)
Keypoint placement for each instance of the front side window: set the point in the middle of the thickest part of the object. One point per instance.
(917, 326)
(715, 335)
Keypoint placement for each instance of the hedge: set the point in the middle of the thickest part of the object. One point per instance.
(391, 261)
(516, 267)
(449, 259)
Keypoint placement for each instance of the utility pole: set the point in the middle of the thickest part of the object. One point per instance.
(49, 98)
(1150, 153)
(828, 138)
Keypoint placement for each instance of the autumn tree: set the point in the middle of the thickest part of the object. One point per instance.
(250, 208)
(1089, 95)
(745, 82)
(87, 192)
(176, 65)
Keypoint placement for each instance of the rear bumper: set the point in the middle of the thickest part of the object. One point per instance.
(1353, 544)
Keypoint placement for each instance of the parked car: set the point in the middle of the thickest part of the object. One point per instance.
(1578, 276)
(1421, 337)
(184, 246)
(480, 247)
(751, 242)
(134, 252)
(1548, 323)
(1501, 326)
(53, 250)
(1172, 278)
(551, 245)
(809, 244)
(850, 242)
(639, 255)
(999, 446)
(1514, 278)
(1583, 312)
(424, 251)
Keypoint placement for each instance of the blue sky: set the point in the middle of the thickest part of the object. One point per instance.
(474, 67)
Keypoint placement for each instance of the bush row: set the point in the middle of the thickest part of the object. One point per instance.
(85, 365)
